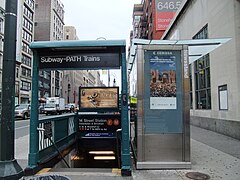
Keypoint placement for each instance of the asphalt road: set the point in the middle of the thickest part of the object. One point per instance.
(21, 128)
(22, 141)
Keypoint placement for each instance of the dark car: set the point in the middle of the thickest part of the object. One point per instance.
(69, 108)
(41, 109)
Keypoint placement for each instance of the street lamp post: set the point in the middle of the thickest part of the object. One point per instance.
(9, 168)
(69, 89)
(114, 78)
(114, 82)
(108, 77)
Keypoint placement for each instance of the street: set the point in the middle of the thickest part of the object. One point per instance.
(22, 140)
(21, 128)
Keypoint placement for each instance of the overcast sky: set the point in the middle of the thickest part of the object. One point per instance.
(111, 19)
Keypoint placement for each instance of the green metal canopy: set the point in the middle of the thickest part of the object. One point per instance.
(74, 55)
(78, 44)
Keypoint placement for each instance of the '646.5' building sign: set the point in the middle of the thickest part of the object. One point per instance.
(80, 61)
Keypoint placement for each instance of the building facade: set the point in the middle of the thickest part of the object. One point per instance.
(25, 35)
(214, 79)
(152, 17)
(49, 22)
(73, 79)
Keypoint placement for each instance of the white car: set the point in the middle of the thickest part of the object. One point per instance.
(22, 111)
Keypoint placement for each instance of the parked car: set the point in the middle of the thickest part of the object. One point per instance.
(22, 111)
(41, 109)
(69, 108)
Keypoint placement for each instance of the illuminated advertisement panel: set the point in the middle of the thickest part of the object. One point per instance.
(93, 98)
(163, 81)
(165, 11)
(163, 102)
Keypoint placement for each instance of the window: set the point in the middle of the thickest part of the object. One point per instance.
(26, 49)
(27, 12)
(25, 85)
(17, 72)
(56, 82)
(30, 3)
(1, 25)
(202, 76)
(46, 75)
(223, 97)
(26, 60)
(46, 85)
(17, 88)
(202, 82)
(27, 36)
(26, 72)
(40, 84)
(40, 73)
(27, 24)
(57, 92)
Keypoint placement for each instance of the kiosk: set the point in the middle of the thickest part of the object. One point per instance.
(159, 80)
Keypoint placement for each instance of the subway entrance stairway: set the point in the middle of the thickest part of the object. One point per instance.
(211, 153)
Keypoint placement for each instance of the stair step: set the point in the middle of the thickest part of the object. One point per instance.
(86, 173)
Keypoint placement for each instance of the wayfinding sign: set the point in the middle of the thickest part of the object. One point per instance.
(98, 125)
(80, 61)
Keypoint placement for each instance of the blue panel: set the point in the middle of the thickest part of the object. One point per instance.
(163, 91)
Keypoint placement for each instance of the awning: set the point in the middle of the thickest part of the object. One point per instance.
(196, 47)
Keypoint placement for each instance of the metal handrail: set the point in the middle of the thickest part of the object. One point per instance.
(55, 146)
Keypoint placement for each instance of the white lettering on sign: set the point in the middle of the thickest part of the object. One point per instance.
(91, 58)
(51, 59)
(185, 63)
(69, 59)
(168, 5)
(73, 59)
(162, 53)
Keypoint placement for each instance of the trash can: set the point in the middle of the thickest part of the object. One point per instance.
(50, 177)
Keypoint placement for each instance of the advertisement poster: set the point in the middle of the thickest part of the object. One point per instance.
(98, 97)
(99, 126)
(163, 80)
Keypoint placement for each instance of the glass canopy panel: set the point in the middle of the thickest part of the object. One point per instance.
(196, 47)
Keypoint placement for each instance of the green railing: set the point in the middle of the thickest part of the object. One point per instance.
(55, 133)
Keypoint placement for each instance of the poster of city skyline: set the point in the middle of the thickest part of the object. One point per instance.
(163, 82)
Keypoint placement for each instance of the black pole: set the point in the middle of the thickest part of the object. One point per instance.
(9, 168)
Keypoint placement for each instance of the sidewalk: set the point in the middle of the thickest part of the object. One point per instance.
(211, 153)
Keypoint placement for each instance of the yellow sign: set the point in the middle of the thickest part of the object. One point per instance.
(133, 100)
